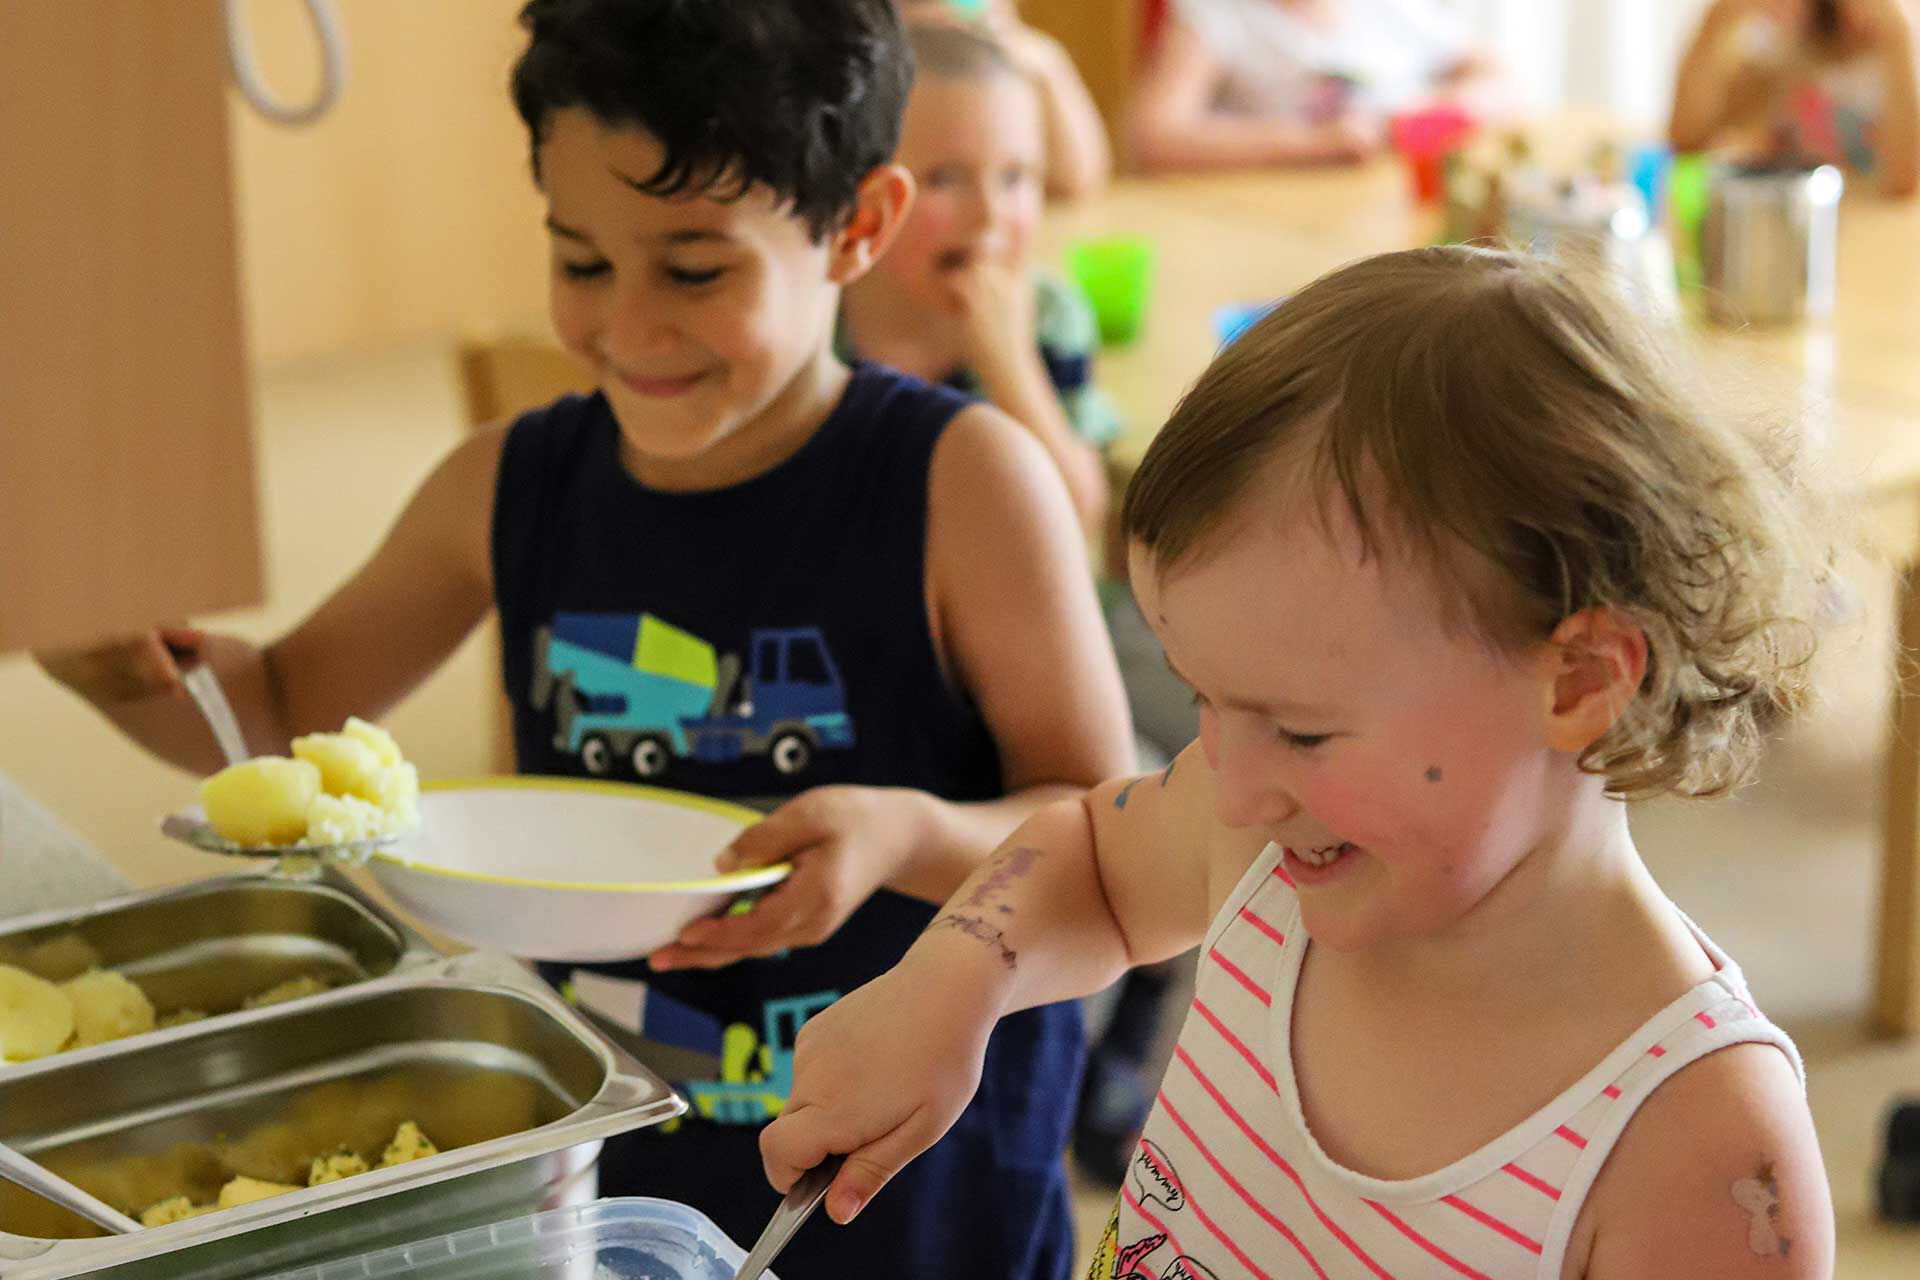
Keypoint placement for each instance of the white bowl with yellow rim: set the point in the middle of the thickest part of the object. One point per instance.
(566, 868)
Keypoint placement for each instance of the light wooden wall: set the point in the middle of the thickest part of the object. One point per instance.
(1104, 38)
(407, 213)
(126, 482)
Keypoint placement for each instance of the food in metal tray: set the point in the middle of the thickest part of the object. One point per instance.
(36, 1018)
(39, 1018)
(107, 1006)
(337, 789)
(292, 989)
(409, 1144)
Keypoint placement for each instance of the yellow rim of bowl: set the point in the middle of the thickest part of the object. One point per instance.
(750, 878)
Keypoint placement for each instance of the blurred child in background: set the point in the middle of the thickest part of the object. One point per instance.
(1238, 84)
(1827, 81)
(1078, 159)
(957, 298)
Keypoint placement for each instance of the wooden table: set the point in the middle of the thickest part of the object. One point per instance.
(1852, 383)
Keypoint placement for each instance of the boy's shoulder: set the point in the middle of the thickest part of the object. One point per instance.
(1719, 1173)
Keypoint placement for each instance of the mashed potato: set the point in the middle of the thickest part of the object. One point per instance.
(409, 1143)
(338, 788)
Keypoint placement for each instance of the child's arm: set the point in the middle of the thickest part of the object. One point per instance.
(1715, 86)
(996, 303)
(1172, 124)
(1129, 874)
(372, 641)
(1718, 1176)
(1013, 612)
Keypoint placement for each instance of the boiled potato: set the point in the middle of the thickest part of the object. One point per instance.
(409, 1143)
(292, 989)
(378, 740)
(348, 766)
(245, 1190)
(341, 1164)
(106, 1006)
(397, 792)
(176, 1209)
(36, 1018)
(263, 801)
(343, 820)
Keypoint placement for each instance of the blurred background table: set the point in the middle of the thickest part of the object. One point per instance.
(1850, 383)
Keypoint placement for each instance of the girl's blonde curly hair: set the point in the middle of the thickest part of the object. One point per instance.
(1480, 404)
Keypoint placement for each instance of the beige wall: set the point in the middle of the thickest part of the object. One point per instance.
(408, 212)
(341, 444)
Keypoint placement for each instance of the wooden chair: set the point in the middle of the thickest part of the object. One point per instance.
(500, 379)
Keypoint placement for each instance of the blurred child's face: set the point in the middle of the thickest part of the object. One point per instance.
(974, 147)
(1402, 766)
(696, 314)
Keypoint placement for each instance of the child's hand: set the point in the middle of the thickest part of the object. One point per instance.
(879, 1075)
(129, 669)
(994, 300)
(844, 842)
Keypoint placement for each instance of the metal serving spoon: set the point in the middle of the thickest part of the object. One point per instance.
(17, 1169)
(794, 1210)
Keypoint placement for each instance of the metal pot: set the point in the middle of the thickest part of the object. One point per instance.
(1769, 243)
(517, 1090)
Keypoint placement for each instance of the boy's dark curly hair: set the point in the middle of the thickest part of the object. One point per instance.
(804, 99)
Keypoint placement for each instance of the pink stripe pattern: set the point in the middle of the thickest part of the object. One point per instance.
(1239, 975)
(1544, 1188)
(1230, 1184)
(1487, 1220)
(1248, 914)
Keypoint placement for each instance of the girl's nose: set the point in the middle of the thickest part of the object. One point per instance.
(1249, 783)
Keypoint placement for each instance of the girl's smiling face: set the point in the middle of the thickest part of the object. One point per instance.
(974, 147)
(1399, 760)
(698, 315)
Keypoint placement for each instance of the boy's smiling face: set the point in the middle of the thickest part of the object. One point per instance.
(975, 148)
(705, 320)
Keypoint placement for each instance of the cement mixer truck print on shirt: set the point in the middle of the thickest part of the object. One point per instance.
(631, 694)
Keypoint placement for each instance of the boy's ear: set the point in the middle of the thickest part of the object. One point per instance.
(1592, 667)
(879, 208)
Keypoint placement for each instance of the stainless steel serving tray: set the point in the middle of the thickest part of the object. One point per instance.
(211, 944)
(492, 1064)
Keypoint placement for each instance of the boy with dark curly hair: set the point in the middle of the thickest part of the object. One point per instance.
(920, 658)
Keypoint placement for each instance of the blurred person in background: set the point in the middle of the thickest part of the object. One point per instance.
(1243, 84)
(1079, 161)
(1821, 81)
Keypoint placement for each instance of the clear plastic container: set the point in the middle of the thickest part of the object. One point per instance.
(627, 1238)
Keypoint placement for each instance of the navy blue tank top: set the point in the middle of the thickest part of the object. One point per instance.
(749, 643)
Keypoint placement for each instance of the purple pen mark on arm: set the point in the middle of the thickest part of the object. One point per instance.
(975, 927)
(1002, 870)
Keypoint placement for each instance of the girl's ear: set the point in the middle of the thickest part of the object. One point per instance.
(1592, 667)
(880, 207)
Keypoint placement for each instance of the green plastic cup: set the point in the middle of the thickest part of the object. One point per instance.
(1116, 274)
(1688, 181)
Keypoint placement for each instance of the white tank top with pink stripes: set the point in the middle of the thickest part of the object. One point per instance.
(1228, 1182)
